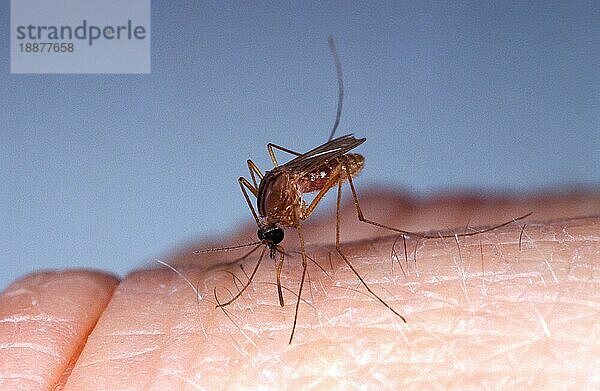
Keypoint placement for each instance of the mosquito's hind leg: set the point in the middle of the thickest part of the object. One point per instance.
(339, 250)
(362, 218)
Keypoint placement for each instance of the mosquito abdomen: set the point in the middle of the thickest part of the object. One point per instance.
(317, 179)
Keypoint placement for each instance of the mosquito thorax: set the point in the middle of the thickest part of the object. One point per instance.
(271, 235)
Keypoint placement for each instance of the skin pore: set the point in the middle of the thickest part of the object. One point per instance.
(487, 312)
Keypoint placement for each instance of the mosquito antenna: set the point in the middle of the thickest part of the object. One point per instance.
(340, 79)
(220, 249)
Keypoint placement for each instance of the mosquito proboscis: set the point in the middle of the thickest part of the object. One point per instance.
(279, 201)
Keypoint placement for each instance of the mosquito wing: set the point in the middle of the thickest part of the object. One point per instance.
(314, 158)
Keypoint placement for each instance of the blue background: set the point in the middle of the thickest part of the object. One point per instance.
(112, 171)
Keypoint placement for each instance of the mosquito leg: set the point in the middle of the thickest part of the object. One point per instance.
(253, 169)
(304, 263)
(333, 179)
(244, 183)
(362, 218)
(247, 283)
(339, 250)
(278, 266)
(270, 147)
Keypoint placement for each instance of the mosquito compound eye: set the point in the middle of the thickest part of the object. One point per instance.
(260, 234)
(274, 235)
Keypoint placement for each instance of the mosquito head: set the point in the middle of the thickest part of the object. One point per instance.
(271, 236)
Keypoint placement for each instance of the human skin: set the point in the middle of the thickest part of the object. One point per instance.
(512, 308)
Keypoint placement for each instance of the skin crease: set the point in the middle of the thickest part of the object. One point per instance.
(482, 314)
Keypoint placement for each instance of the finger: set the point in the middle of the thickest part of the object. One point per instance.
(459, 306)
(44, 321)
(149, 337)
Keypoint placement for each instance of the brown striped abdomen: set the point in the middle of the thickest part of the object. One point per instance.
(315, 180)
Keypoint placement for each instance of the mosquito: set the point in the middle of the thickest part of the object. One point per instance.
(279, 201)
